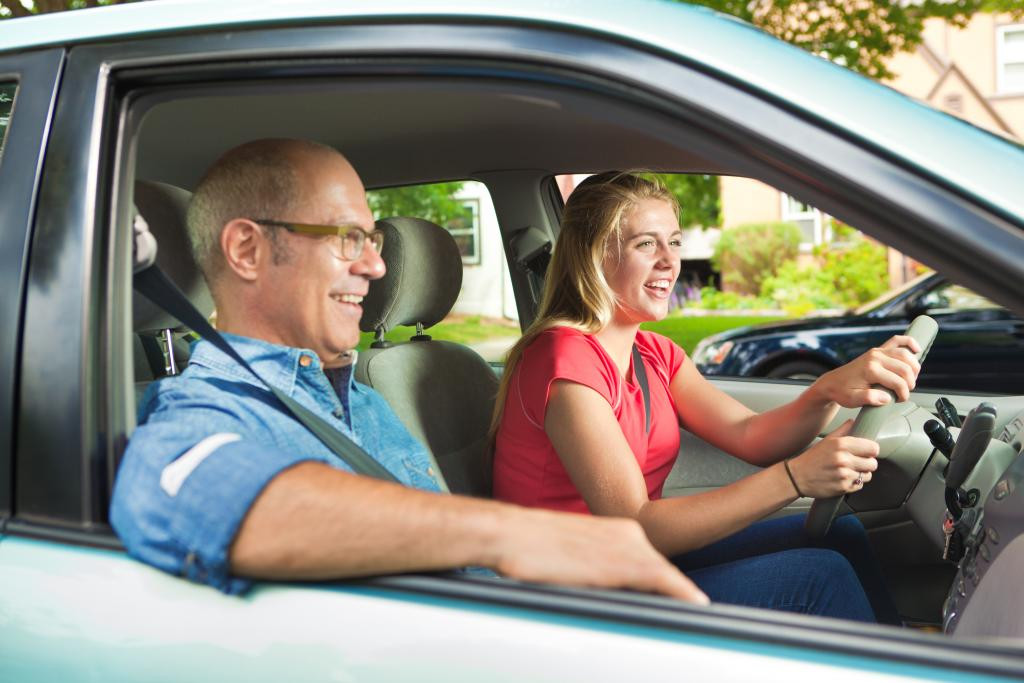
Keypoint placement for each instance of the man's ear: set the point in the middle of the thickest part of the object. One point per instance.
(244, 247)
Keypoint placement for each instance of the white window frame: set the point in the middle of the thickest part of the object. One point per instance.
(813, 214)
(1006, 56)
(473, 204)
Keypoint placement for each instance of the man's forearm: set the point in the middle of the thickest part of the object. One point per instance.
(315, 522)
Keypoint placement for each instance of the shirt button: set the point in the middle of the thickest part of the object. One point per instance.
(338, 413)
(305, 361)
(430, 471)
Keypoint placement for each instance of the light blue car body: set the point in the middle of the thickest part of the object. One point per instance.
(74, 613)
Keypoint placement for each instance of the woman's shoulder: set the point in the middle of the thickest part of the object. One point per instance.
(658, 343)
(560, 338)
(664, 353)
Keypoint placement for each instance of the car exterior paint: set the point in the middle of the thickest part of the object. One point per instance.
(73, 606)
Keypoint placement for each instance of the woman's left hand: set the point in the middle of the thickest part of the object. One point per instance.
(892, 365)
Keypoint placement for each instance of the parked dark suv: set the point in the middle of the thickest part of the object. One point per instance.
(980, 345)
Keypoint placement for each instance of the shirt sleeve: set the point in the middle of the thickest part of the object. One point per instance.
(564, 354)
(190, 474)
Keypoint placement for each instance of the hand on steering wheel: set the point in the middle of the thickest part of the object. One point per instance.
(836, 465)
(874, 377)
(871, 417)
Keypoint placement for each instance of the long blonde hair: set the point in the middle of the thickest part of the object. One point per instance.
(576, 293)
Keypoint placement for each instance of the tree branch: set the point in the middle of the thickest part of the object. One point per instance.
(15, 8)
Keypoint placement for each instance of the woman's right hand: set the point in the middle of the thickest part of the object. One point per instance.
(837, 464)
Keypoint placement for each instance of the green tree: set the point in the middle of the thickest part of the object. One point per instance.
(26, 8)
(698, 197)
(435, 203)
(860, 34)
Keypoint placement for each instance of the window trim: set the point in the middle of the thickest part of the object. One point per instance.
(815, 215)
(1002, 59)
(473, 204)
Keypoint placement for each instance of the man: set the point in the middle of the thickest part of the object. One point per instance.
(219, 484)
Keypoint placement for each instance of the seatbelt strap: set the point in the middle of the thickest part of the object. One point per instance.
(154, 355)
(152, 283)
(641, 378)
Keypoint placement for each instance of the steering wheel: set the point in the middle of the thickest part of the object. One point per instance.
(868, 423)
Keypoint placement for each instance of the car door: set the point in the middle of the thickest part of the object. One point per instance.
(74, 604)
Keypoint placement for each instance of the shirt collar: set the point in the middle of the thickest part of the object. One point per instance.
(275, 363)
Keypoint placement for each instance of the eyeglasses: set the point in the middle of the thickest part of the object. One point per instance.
(347, 242)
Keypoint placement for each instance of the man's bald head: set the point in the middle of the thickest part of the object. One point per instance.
(259, 179)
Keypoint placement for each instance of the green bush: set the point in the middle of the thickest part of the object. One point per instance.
(844, 277)
(714, 300)
(859, 273)
(798, 291)
(747, 254)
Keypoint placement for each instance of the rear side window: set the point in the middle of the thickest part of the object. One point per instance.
(484, 317)
(6, 103)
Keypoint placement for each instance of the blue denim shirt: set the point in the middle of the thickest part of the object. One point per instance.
(210, 439)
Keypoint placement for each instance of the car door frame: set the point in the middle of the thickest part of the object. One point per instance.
(36, 75)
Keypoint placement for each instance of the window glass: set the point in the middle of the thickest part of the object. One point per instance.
(6, 104)
(951, 298)
(759, 256)
(1010, 51)
(484, 316)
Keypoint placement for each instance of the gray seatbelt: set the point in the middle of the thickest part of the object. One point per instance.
(641, 378)
(152, 283)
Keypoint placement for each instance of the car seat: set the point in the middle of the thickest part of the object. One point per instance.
(160, 348)
(442, 391)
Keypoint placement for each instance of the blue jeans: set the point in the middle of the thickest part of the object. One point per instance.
(772, 564)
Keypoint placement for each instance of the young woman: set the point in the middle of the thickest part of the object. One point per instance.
(572, 433)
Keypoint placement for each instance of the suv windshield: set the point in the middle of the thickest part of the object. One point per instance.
(891, 294)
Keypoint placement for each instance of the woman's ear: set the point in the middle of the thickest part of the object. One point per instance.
(244, 247)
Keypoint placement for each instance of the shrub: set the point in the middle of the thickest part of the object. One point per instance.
(712, 299)
(844, 277)
(798, 291)
(747, 254)
(859, 272)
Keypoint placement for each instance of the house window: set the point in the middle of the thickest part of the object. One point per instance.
(1010, 58)
(809, 219)
(465, 228)
(6, 103)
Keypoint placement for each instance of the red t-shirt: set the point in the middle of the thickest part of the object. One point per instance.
(527, 469)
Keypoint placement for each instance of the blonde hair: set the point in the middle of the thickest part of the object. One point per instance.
(576, 293)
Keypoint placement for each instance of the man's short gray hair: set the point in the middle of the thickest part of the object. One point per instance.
(254, 180)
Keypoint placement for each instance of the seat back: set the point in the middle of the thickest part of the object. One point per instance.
(158, 335)
(442, 391)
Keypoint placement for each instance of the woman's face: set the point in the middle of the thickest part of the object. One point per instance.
(643, 265)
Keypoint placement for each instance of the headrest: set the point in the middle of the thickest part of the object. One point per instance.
(423, 279)
(164, 207)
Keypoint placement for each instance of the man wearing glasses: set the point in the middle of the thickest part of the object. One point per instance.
(221, 485)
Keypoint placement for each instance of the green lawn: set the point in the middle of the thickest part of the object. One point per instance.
(461, 329)
(685, 331)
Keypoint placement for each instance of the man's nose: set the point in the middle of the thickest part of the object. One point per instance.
(370, 264)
